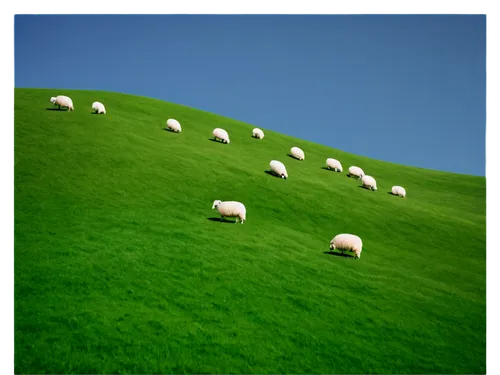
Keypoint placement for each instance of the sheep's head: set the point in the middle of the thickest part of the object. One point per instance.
(53, 99)
(332, 246)
(228, 141)
(216, 203)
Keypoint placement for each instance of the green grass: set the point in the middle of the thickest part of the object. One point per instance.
(118, 268)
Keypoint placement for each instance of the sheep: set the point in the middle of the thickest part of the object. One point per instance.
(334, 164)
(347, 242)
(356, 171)
(221, 134)
(63, 101)
(174, 125)
(98, 108)
(278, 168)
(399, 190)
(257, 133)
(297, 153)
(369, 182)
(231, 209)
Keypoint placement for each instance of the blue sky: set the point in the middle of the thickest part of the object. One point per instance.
(410, 89)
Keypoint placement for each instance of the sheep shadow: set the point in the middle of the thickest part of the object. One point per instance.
(168, 130)
(272, 174)
(291, 156)
(56, 109)
(390, 193)
(329, 169)
(339, 254)
(215, 140)
(365, 187)
(221, 220)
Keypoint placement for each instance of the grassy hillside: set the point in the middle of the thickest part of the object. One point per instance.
(119, 269)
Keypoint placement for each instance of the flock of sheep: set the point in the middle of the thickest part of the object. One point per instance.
(65, 101)
(342, 242)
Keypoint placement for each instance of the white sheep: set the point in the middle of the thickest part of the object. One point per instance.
(231, 209)
(221, 134)
(98, 108)
(174, 125)
(278, 168)
(369, 182)
(347, 242)
(399, 190)
(63, 101)
(356, 171)
(257, 133)
(297, 153)
(334, 164)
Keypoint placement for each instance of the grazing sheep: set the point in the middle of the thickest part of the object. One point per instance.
(356, 171)
(174, 125)
(297, 153)
(369, 182)
(98, 108)
(257, 133)
(347, 242)
(221, 134)
(334, 164)
(63, 101)
(278, 168)
(231, 209)
(399, 190)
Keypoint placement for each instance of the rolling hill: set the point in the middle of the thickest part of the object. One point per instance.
(122, 267)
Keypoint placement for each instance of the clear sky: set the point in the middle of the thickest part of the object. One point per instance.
(410, 89)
